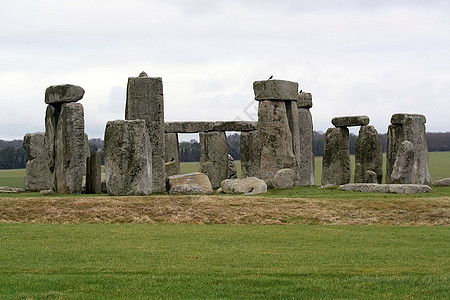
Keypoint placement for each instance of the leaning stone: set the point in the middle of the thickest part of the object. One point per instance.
(284, 179)
(368, 155)
(275, 90)
(214, 149)
(57, 94)
(235, 126)
(38, 174)
(231, 172)
(248, 185)
(195, 178)
(250, 154)
(145, 101)
(189, 127)
(304, 100)
(187, 189)
(442, 182)
(408, 188)
(128, 158)
(336, 157)
(350, 121)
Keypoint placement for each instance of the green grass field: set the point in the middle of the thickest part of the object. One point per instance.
(223, 262)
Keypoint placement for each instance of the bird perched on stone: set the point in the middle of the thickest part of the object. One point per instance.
(300, 91)
(271, 76)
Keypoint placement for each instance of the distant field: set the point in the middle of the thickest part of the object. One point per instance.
(439, 163)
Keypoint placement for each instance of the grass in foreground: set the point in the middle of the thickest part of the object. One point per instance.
(227, 262)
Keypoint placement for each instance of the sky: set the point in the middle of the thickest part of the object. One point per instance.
(371, 57)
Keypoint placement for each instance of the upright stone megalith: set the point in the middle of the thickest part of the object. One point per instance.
(306, 164)
(407, 162)
(274, 133)
(368, 156)
(38, 175)
(145, 101)
(250, 154)
(172, 155)
(94, 174)
(214, 156)
(128, 158)
(336, 157)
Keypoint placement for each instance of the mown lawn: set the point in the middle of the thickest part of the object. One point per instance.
(80, 261)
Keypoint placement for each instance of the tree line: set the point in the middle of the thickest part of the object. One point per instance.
(13, 156)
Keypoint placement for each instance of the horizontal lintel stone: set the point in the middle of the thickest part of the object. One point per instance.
(64, 93)
(400, 119)
(193, 127)
(350, 121)
(275, 90)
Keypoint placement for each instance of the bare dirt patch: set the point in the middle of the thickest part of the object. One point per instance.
(225, 210)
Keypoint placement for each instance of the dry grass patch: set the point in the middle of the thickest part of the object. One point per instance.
(226, 210)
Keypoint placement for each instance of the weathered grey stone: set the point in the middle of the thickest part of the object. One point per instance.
(336, 157)
(371, 177)
(403, 165)
(189, 127)
(248, 185)
(187, 189)
(128, 158)
(214, 149)
(304, 100)
(306, 166)
(231, 171)
(38, 175)
(294, 126)
(94, 174)
(57, 94)
(442, 182)
(7, 189)
(172, 156)
(386, 188)
(350, 121)
(368, 155)
(284, 179)
(51, 117)
(70, 154)
(235, 126)
(250, 154)
(145, 101)
(275, 139)
(192, 179)
(275, 90)
(410, 127)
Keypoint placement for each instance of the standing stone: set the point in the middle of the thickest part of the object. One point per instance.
(128, 158)
(250, 154)
(94, 174)
(336, 157)
(294, 126)
(172, 156)
(214, 156)
(368, 155)
(407, 127)
(231, 170)
(38, 175)
(51, 118)
(145, 101)
(402, 171)
(306, 165)
(284, 179)
(70, 154)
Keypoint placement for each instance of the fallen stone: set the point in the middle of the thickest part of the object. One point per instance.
(304, 100)
(442, 182)
(196, 179)
(284, 179)
(350, 121)
(248, 185)
(275, 90)
(187, 189)
(47, 192)
(409, 188)
(386, 188)
(7, 189)
(57, 94)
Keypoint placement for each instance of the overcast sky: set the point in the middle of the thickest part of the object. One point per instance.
(370, 57)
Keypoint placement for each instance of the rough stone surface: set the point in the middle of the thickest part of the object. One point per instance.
(275, 139)
(172, 156)
(371, 177)
(294, 126)
(275, 90)
(187, 189)
(250, 154)
(193, 179)
(235, 126)
(38, 175)
(214, 150)
(70, 154)
(57, 94)
(350, 121)
(7, 189)
(128, 158)
(403, 165)
(284, 179)
(94, 174)
(368, 156)
(145, 101)
(442, 182)
(51, 117)
(336, 157)
(304, 100)
(231, 171)
(409, 127)
(306, 166)
(386, 188)
(248, 185)
(189, 127)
